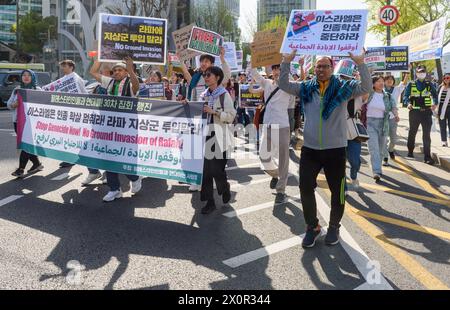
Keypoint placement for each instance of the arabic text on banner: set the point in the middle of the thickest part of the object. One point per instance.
(159, 139)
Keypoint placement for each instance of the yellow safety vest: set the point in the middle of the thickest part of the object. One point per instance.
(420, 99)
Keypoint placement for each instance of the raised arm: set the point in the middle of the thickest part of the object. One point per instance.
(133, 77)
(225, 67)
(292, 88)
(95, 70)
(186, 74)
(366, 81)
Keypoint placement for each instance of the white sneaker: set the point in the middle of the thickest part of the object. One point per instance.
(355, 184)
(91, 178)
(112, 195)
(195, 188)
(136, 186)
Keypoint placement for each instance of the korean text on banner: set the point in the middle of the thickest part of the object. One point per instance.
(332, 32)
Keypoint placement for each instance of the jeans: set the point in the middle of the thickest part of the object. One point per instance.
(291, 113)
(377, 142)
(333, 163)
(390, 147)
(444, 124)
(417, 118)
(93, 171)
(250, 115)
(354, 158)
(113, 180)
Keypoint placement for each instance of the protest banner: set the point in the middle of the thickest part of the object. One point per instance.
(205, 41)
(388, 58)
(141, 38)
(158, 139)
(265, 48)
(331, 32)
(66, 84)
(181, 38)
(240, 59)
(247, 99)
(230, 56)
(424, 42)
(152, 90)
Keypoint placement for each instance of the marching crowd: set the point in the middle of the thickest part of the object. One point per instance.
(339, 112)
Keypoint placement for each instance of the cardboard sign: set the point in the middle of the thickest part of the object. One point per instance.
(205, 42)
(181, 38)
(141, 38)
(313, 32)
(266, 48)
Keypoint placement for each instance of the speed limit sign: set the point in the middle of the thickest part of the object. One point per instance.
(389, 15)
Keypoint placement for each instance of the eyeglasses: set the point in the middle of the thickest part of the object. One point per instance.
(323, 67)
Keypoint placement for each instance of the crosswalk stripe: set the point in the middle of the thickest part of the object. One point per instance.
(63, 176)
(242, 167)
(10, 199)
(255, 208)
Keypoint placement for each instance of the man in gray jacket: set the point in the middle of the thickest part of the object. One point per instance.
(325, 100)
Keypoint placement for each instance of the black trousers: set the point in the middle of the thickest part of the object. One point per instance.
(214, 169)
(417, 118)
(333, 163)
(25, 157)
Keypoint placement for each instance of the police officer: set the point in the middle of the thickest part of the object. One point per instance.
(421, 98)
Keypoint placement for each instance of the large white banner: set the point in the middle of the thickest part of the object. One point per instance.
(332, 32)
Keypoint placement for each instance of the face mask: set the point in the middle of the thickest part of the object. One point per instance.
(421, 76)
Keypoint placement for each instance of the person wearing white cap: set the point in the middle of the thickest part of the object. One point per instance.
(124, 82)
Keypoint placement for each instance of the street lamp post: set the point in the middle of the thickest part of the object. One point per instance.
(17, 28)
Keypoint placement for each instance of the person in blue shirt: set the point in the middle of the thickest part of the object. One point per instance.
(421, 98)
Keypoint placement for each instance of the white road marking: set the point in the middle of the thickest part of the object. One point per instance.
(255, 208)
(243, 166)
(10, 199)
(263, 252)
(63, 176)
(238, 185)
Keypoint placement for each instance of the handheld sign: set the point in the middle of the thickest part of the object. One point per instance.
(205, 41)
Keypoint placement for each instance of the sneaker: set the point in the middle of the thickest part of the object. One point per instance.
(430, 161)
(91, 178)
(103, 178)
(226, 195)
(377, 177)
(112, 195)
(195, 188)
(65, 165)
(273, 183)
(410, 156)
(136, 186)
(18, 173)
(35, 168)
(385, 162)
(355, 184)
(280, 198)
(392, 155)
(210, 207)
(311, 236)
(332, 237)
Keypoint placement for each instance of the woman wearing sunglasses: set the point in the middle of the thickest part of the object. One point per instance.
(444, 108)
(220, 112)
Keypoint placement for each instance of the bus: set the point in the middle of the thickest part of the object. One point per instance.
(8, 66)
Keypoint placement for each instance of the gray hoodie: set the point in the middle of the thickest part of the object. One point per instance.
(320, 134)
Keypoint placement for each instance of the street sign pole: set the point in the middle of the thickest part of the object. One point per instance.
(388, 34)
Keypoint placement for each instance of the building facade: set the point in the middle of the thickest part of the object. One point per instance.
(268, 9)
(8, 18)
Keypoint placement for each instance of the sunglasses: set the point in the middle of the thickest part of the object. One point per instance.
(447, 78)
(209, 74)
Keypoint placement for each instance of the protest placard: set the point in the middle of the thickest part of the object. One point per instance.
(158, 139)
(248, 99)
(152, 90)
(174, 60)
(266, 48)
(425, 42)
(66, 84)
(387, 58)
(331, 32)
(205, 42)
(230, 56)
(181, 38)
(240, 59)
(141, 38)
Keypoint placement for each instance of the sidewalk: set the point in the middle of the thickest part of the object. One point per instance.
(440, 154)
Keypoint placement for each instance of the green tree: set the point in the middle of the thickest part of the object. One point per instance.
(413, 14)
(279, 21)
(34, 32)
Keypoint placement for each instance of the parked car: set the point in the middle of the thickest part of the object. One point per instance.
(11, 79)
